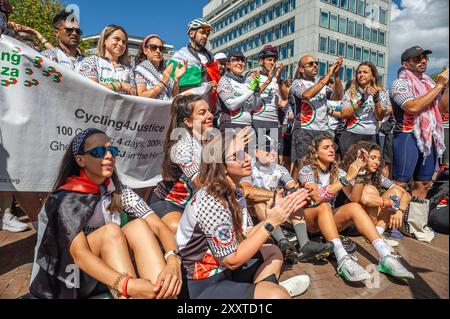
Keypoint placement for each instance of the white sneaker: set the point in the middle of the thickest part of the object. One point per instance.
(296, 285)
(390, 242)
(11, 223)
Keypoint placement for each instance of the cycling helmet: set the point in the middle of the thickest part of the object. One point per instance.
(200, 24)
(268, 52)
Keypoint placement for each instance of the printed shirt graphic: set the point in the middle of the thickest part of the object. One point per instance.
(268, 111)
(206, 235)
(445, 120)
(59, 56)
(400, 93)
(269, 178)
(364, 121)
(104, 71)
(312, 114)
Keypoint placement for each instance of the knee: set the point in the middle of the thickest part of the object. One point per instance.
(278, 293)
(137, 227)
(356, 209)
(113, 235)
(325, 209)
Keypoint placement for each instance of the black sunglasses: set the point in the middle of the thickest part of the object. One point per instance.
(233, 59)
(101, 151)
(154, 47)
(69, 31)
(311, 64)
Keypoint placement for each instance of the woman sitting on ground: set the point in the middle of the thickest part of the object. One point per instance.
(224, 256)
(84, 247)
(111, 65)
(321, 175)
(385, 202)
(153, 78)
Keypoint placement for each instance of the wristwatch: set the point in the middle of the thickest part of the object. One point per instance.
(174, 253)
(344, 181)
(269, 227)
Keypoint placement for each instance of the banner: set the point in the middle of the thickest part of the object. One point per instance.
(43, 106)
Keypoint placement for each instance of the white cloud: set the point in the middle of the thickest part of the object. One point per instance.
(424, 23)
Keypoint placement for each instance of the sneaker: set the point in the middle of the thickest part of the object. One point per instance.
(11, 223)
(288, 250)
(315, 251)
(390, 242)
(351, 271)
(349, 246)
(296, 285)
(395, 233)
(390, 265)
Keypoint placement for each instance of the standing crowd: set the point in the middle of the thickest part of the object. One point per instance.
(332, 158)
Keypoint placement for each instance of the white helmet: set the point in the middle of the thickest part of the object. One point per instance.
(200, 24)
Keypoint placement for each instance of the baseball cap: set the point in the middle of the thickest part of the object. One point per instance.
(414, 52)
(235, 54)
(220, 56)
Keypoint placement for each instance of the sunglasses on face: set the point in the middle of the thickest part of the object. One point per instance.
(311, 64)
(154, 47)
(420, 58)
(238, 60)
(101, 151)
(69, 31)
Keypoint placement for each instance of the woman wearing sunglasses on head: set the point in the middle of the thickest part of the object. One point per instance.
(83, 246)
(224, 255)
(111, 65)
(153, 78)
(239, 96)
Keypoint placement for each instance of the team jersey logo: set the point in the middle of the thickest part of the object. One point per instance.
(308, 114)
(223, 235)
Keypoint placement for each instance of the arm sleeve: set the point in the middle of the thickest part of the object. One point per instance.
(226, 93)
(347, 100)
(140, 78)
(298, 88)
(134, 205)
(306, 176)
(386, 183)
(186, 160)
(286, 178)
(401, 92)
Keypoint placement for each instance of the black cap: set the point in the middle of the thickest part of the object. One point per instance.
(414, 52)
(236, 54)
(268, 52)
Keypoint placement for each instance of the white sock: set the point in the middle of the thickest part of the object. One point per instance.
(381, 248)
(339, 249)
(380, 230)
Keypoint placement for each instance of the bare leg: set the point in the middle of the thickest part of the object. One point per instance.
(172, 220)
(273, 261)
(321, 218)
(421, 189)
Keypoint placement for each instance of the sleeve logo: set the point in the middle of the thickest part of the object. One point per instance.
(223, 235)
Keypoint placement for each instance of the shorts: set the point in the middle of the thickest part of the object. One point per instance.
(408, 161)
(348, 139)
(237, 284)
(163, 207)
(301, 140)
(388, 148)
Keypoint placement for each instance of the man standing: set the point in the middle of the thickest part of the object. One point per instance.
(418, 103)
(67, 31)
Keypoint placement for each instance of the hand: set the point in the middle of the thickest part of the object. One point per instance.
(279, 72)
(396, 220)
(285, 207)
(336, 67)
(245, 136)
(167, 74)
(127, 88)
(271, 73)
(442, 78)
(373, 91)
(140, 289)
(169, 282)
(180, 70)
(354, 169)
(214, 86)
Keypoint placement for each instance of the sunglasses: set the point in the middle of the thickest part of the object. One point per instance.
(101, 151)
(243, 60)
(420, 58)
(69, 31)
(154, 47)
(311, 64)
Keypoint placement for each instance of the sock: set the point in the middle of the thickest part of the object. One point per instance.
(302, 234)
(278, 234)
(339, 249)
(380, 230)
(381, 248)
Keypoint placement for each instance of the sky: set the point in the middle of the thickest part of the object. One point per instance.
(414, 22)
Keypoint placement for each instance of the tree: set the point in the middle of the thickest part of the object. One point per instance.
(435, 75)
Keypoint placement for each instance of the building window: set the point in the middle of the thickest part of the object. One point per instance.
(351, 27)
(343, 25)
(341, 72)
(366, 55)
(350, 51)
(333, 22)
(292, 26)
(375, 12)
(381, 59)
(341, 48)
(368, 12)
(358, 53)
(277, 11)
(348, 74)
(291, 49)
(324, 19)
(374, 35)
(335, 2)
(359, 30)
(292, 4)
(277, 33)
(322, 68)
(283, 52)
(360, 7)
(344, 4)
(366, 33)
(373, 57)
(285, 30)
(323, 44)
(285, 7)
(382, 37)
(332, 46)
(352, 5)
(269, 36)
(383, 16)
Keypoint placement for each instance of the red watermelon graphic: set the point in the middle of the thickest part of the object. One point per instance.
(408, 122)
(262, 109)
(353, 122)
(237, 113)
(308, 114)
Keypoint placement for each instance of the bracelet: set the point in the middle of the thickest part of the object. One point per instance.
(353, 107)
(114, 87)
(115, 286)
(125, 287)
(324, 84)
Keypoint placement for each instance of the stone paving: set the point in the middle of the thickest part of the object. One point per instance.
(428, 262)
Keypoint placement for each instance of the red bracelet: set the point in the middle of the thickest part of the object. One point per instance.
(125, 286)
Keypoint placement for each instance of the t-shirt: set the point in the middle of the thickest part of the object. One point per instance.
(104, 72)
(333, 123)
(364, 120)
(59, 56)
(186, 158)
(400, 93)
(312, 114)
(270, 98)
(206, 235)
(269, 178)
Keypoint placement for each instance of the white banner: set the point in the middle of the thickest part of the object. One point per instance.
(44, 105)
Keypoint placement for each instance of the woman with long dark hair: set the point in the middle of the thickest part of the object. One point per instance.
(110, 66)
(153, 78)
(324, 179)
(385, 202)
(190, 121)
(224, 256)
(364, 105)
(85, 244)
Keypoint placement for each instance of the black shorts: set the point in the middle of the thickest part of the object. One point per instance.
(348, 139)
(236, 284)
(162, 207)
(301, 140)
(388, 155)
(286, 145)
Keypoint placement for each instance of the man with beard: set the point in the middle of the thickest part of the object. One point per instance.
(67, 31)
